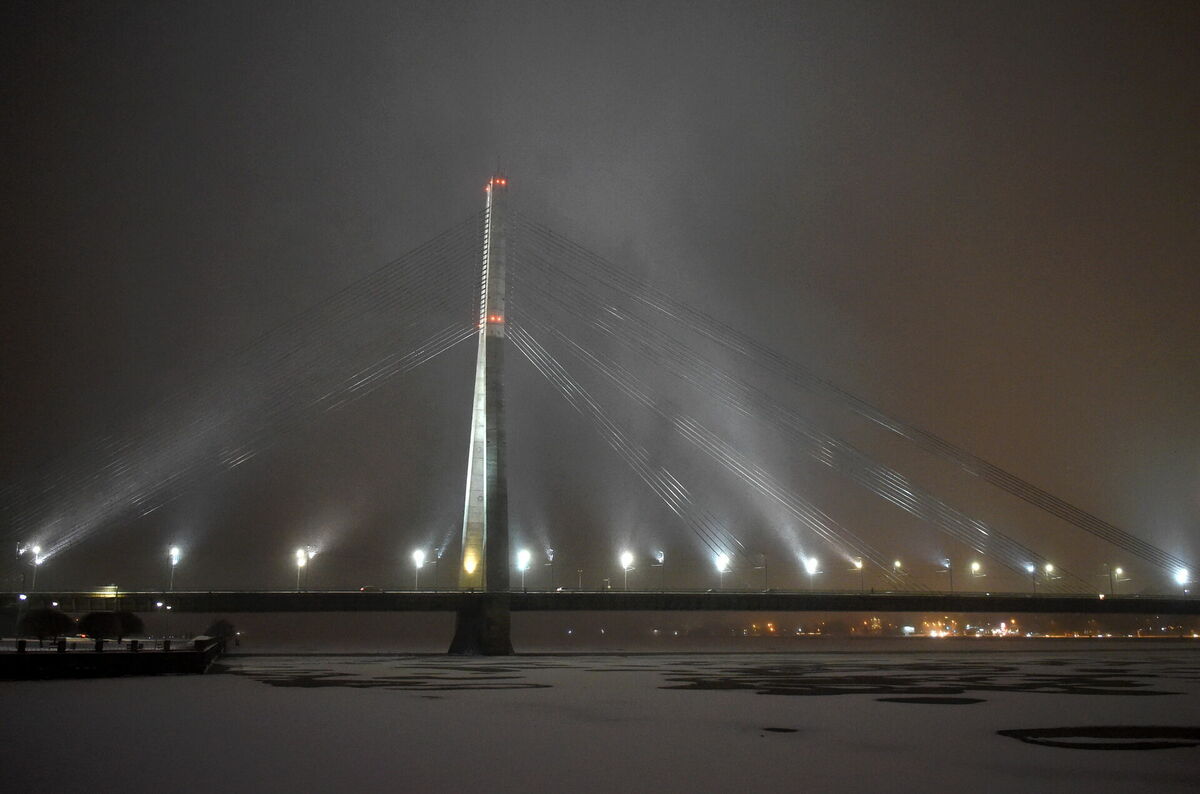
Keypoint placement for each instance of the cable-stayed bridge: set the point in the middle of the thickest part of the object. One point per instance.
(596, 334)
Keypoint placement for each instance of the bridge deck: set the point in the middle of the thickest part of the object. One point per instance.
(770, 601)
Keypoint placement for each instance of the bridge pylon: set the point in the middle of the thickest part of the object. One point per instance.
(482, 625)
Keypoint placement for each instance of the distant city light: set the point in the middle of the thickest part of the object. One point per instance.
(22, 597)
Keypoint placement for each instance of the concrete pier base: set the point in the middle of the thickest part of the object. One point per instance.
(482, 626)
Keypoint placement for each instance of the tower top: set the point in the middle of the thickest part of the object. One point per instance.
(499, 180)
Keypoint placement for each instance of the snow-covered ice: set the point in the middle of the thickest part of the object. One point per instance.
(916, 721)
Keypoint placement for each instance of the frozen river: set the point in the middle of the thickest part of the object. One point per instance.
(896, 722)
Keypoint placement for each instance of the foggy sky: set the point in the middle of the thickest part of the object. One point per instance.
(980, 217)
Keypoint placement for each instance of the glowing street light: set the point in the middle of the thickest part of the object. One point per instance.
(721, 560)
(36, 560)
(301, 561)
(862, 574)
(1182, 576)
(523, 558)
(1114, 577)
(626, 564)
(810, 567)
(418, 558)
(174, 554)
(1031, 569)
(550, 565)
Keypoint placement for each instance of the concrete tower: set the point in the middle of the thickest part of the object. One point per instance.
(483, 622)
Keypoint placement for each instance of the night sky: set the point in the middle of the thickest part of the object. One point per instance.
(980, 217)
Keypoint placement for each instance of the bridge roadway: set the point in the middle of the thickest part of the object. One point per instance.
(612, 601)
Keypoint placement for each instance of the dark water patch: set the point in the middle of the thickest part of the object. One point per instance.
(1109, 737)
(934, 701)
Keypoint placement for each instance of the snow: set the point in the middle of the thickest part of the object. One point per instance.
(611, 723)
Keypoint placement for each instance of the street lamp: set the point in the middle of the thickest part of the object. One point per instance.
(762, 566)
(550, 565)
(810, 567)
(174, 555)
(1114, 576)
(949, 568)
(862, 574)
(661, 564)
(301, 561)
(1182, 576)
(626, 564)
(38, 559)
(1031, 569)
(523, 558)
(721, 560)
(418, 558)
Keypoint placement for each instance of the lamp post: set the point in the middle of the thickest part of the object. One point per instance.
(1114, 576)
(174, 555)
(862, 575)
(301, 561)
(762, 566)
(949, 566)
(810, 567)
(418, 558)
(550, 565)
(1031, 569)
(38, 559)
(661, 557)
(721, 560)
(626, 563)
(523, 558)
(1182, 577)
(976, 569)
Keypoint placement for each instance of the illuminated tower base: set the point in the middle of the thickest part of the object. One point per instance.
(483, 619)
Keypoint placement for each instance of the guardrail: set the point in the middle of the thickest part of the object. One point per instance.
(221, 602)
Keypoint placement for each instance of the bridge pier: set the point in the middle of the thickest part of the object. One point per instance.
(482, 626)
